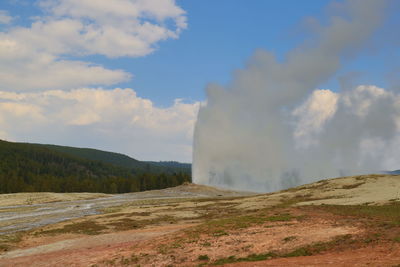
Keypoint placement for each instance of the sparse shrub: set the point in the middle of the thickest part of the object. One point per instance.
(387, 215)
(134, 258)
(87, 227)
(203, 258)
(289, 238)
(227, 260)
(351, 186)
(206, 244)
(220, 233)
(298, 252)
(4, 247)
(251, 257)
(176, 245)
(397, 239)
(280, 218)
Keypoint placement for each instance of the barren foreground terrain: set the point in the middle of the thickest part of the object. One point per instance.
(351, 221)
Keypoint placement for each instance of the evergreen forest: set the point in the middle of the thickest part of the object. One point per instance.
(47, 168)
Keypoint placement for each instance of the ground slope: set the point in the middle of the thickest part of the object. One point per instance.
(350, 221)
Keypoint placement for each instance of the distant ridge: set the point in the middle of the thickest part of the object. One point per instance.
(396, 172)
(95, 154)
(122, 160)
(26, 167)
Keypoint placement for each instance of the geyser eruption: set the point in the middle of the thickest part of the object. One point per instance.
(271, 129)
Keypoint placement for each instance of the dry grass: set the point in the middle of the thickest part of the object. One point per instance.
(10, 241)
(389, 213)
(87, 227)
(221, 218)
(39, 198)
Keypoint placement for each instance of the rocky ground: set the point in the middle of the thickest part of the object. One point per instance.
(351, 221)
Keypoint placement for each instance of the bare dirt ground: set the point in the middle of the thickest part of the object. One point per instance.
(50, 208)
(309, 225)
(39, 198)
(379, 255)
(81, 250)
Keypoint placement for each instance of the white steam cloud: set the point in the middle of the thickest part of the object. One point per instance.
(270, 129)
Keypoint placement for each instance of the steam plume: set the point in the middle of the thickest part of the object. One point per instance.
(270, 129)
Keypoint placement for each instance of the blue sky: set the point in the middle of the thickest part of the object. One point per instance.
(217, 41)
(220, 39)
(217, 38)
(221, 35)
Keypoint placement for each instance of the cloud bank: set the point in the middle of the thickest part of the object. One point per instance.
(114, 120)
(42, 52)
(270, 129)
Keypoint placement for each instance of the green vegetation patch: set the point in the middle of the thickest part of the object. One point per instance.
(206, 244)
(389, 213)
(139, 214)
(351, 186)
(7, 242)
(87, 227)
(129, 224)
(4, 247)
(280, 218)
(203, 258)
(249, 258)
(301, 251)
(305, 251)
(397, 239)
(221, 227)
(289, 238)
(125, 224)
(220, 233)
(286, 203)
(319, 247)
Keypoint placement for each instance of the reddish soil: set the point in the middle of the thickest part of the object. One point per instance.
(177, 246)
(83, 251)
(387, 254)
(242, 242)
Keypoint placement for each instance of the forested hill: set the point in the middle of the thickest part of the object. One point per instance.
(125, 161)
(46, 168)
(396, 172)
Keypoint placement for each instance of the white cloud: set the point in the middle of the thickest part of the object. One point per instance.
(112, 28)
(36, 57)
(4, 17)
(312, 115)
(362, 98)
(21, 72)
(116, 120)
(365, 119)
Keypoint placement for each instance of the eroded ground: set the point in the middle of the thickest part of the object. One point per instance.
(304, 226)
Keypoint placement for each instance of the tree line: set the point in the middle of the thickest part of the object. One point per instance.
(31, 168)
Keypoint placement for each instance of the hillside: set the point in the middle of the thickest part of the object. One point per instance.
(396, 172)
(44, 168)
(99, 155)
(122, 160)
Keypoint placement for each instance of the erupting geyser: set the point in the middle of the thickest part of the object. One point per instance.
(271, 129)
